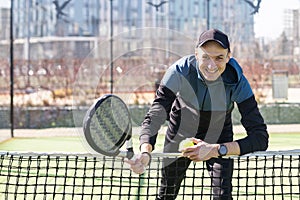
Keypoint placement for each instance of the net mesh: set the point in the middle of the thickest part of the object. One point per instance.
(271, 175)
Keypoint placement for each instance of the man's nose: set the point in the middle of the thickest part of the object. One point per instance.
(211, 63)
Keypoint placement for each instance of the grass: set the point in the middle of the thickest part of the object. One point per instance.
(43, 144)
(277, 141)
(284, 141)
(280, 141)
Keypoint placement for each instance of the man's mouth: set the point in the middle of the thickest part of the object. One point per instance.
(211, 71)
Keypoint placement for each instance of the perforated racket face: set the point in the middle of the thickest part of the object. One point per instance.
(107, 125)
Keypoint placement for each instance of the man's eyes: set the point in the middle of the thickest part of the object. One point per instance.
(219, 58)
(204, 57)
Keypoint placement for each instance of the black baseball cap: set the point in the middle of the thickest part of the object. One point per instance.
(214, 35)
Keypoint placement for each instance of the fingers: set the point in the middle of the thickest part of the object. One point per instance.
(145, 158)
(196, 141)
(196, 147)
(191, 153)
(198, 152)
(138, 168)
(139, 164)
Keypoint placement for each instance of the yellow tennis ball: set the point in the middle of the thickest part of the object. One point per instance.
(188, 142)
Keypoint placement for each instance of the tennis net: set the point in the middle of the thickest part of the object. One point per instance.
(266, 175)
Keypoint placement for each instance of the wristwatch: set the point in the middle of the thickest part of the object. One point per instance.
(222, 150)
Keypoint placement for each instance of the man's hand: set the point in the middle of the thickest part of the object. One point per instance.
(200, 151)
(139, 164)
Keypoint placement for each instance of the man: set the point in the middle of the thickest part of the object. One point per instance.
(197, 96)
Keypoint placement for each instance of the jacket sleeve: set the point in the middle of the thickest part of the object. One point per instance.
(257, 138)
(157, 115)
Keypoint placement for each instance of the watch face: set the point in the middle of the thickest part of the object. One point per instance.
(223, 150)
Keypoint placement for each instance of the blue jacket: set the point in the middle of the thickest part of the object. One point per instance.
(198, 108)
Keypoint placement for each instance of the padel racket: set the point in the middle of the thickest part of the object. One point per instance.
(107, 126)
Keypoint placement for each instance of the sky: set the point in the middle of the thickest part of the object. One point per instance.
(270, 19)
(268, 22)
(5, 3)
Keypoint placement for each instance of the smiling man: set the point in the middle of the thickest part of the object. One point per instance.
(212, 59)
(197, 95)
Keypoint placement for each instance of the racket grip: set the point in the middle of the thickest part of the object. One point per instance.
(129, 153)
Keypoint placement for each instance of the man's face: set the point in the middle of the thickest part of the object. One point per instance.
(212, 59)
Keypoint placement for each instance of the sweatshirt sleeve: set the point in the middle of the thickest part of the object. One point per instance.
(257, 138)
(157, 115)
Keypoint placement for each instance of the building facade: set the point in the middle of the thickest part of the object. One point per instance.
(98, 20)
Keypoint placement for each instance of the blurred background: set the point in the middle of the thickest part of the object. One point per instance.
(58, 56)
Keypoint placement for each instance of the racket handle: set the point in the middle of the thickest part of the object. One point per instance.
(130, 153)
(126, 154)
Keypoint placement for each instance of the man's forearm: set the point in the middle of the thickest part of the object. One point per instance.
(233, 148)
